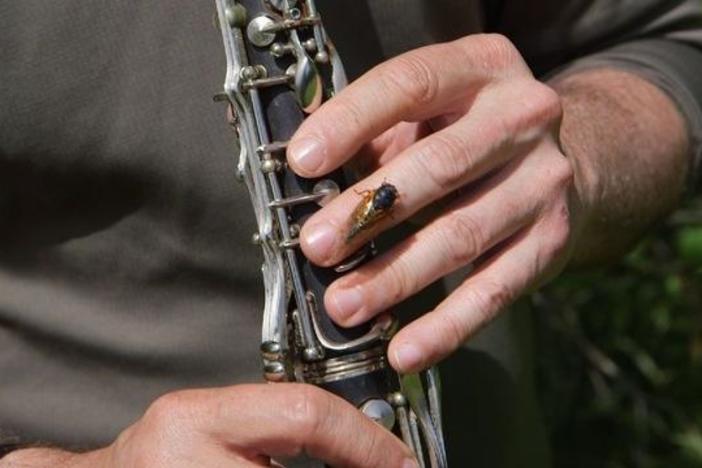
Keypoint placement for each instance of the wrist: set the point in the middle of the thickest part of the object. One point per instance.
(578, 145)
(628, 144)
(585, 193)
(583, 196)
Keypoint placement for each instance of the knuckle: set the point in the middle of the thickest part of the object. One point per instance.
(349, 116)
(402, 282)
(491, 297)
(369, 453)
(502, 52)
(164, 432)
(446, 160)
(503, 129)
(539, 108)
(464, 238)
(167, 409)
(136, 449)
(454, 330)
(548, 100)
(413, 77)
(558, 178)
(307, 412)
(562, 172)
(559, 233)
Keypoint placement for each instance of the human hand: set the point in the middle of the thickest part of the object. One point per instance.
(241, 426)
(465, 119)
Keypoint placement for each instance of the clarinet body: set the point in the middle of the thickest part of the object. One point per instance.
(281, 66)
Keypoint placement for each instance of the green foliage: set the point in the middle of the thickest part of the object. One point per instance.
(689, 242)
(620, 355)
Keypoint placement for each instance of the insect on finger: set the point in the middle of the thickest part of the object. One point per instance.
(374, 205)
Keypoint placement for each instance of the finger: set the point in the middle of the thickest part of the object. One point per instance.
(469, 227)
(285, 420)
(415, 86)
(496, 284)
(385, 147)
(504, 122)
(394, 141)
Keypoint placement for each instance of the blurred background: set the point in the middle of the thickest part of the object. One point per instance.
(620, 354)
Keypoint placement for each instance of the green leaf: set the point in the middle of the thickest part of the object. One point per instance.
(690, 442)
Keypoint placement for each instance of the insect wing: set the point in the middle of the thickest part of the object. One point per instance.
(361, 214)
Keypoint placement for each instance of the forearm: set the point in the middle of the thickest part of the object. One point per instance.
(628, 145)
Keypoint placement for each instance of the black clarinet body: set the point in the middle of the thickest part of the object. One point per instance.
(281, 66)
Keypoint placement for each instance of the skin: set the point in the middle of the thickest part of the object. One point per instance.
(519, 177)
(514, 176)
(230, 427)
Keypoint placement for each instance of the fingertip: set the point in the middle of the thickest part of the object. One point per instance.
(344, 304)
(306, 156)
(406, 357)
(318, 241)
(334, 310)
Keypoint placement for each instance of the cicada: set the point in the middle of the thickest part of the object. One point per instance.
(374, 205)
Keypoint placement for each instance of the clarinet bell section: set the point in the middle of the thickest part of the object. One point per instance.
(281, 66)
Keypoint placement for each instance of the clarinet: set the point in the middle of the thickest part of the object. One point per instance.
(281, 66)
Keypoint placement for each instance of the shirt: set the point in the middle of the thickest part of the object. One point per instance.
(126, 268)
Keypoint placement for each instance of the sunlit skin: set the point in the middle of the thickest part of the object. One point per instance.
(241, 426)
(523, 175)
(549, 173)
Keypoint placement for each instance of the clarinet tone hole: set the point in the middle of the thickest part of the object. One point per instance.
(295, 13)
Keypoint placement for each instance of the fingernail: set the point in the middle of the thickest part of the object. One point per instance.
(407, 357)
(307, 153)
(347, 302)
(320, 240)
(410, 463)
